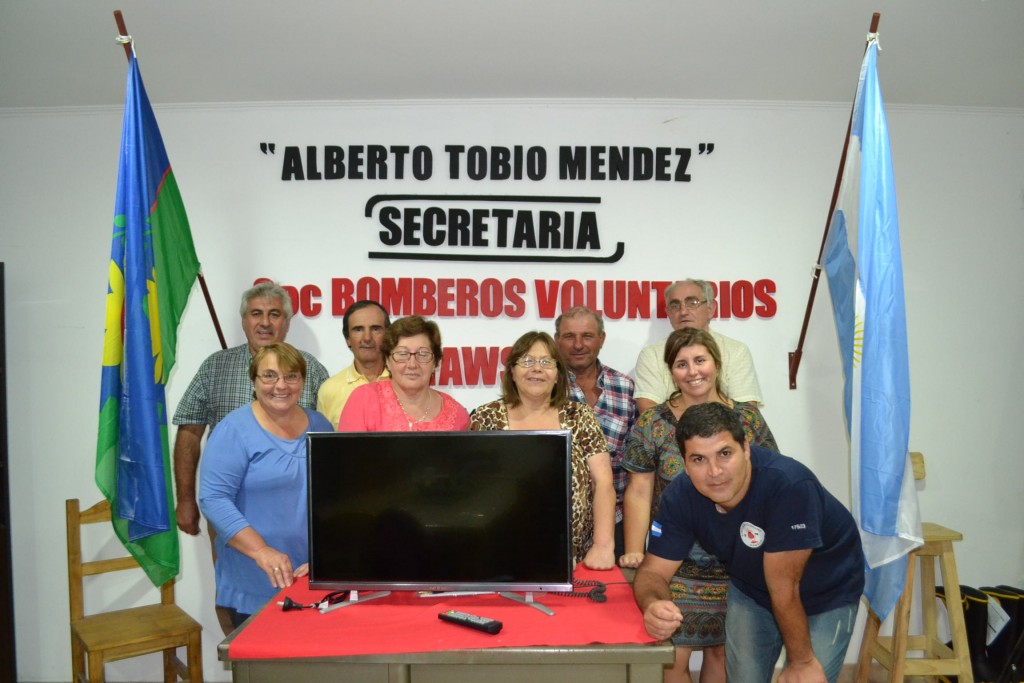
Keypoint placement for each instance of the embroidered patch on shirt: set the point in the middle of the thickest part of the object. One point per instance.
(753, 536)
(655, 529)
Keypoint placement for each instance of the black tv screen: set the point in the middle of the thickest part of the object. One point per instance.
(440, 511)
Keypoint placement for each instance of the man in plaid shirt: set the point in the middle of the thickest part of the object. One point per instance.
(580, 336)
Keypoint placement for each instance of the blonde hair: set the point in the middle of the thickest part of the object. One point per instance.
(288, 357)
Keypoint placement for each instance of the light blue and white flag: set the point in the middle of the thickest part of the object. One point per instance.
(867, 299)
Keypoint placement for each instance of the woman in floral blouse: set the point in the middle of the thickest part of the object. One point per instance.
(653, 460)
(535, 395)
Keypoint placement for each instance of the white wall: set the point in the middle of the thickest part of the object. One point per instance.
(754, 209)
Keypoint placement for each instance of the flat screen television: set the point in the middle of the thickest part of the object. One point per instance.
(440, 511)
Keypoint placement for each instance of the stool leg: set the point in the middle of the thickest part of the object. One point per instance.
(957, 625)
(929, 614)
(871, 627)
(901, 621)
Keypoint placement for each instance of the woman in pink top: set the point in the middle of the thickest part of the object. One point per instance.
(405, 402)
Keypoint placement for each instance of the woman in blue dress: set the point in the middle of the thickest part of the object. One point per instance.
(253, 485)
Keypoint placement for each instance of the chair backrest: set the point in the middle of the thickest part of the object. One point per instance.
(917, 464)
(78, 570)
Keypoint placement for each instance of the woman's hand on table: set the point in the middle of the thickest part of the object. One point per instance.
(631, 560)
(276, 565)
(600, 557)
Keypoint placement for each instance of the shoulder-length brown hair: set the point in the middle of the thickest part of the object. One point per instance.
(509, 391)
(694, 336)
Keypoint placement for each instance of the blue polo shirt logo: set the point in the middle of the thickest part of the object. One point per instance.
(751, 535)
(655, 530)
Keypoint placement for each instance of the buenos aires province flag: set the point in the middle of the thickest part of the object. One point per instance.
(868, 303)
(152, 268)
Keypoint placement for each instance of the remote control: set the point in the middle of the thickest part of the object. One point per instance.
(484, 624)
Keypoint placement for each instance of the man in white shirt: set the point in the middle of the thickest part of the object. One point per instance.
(691, 303)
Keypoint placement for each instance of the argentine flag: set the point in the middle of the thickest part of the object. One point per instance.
(867, 299)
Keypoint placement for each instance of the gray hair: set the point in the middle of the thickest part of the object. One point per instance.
(707, 291)
(577, 311)
(266, 290)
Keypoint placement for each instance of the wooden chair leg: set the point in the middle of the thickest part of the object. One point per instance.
(195, 657)
(96, 674)
(871, 627)
(77, 660)
(170, 673)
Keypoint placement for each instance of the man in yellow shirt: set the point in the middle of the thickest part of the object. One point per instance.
(363, 326)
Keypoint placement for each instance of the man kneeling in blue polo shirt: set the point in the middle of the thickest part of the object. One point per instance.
(792, 551)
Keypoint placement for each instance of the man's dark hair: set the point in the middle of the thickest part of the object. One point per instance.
(359, 305)
(707, 419)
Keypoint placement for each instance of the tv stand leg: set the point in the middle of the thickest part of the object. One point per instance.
(527, 599)
(354, 599)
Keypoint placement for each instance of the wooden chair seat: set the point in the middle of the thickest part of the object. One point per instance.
(135, 631)
(120, 634)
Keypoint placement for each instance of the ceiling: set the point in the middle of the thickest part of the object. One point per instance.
(955, 53)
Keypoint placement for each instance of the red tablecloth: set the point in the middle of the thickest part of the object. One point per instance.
(403, 623)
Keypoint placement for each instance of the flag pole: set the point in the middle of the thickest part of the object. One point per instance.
(795, 356)
(126, 42)
(123, 34)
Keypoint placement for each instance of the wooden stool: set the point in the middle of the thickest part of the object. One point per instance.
(891, 651)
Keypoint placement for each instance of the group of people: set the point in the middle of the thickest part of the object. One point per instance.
(742, 554)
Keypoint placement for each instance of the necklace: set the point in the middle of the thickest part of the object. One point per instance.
(409, 419)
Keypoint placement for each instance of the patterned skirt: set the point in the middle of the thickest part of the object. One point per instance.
(699, 588)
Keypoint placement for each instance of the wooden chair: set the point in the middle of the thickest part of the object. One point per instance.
(936, 659)
(110, 636)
